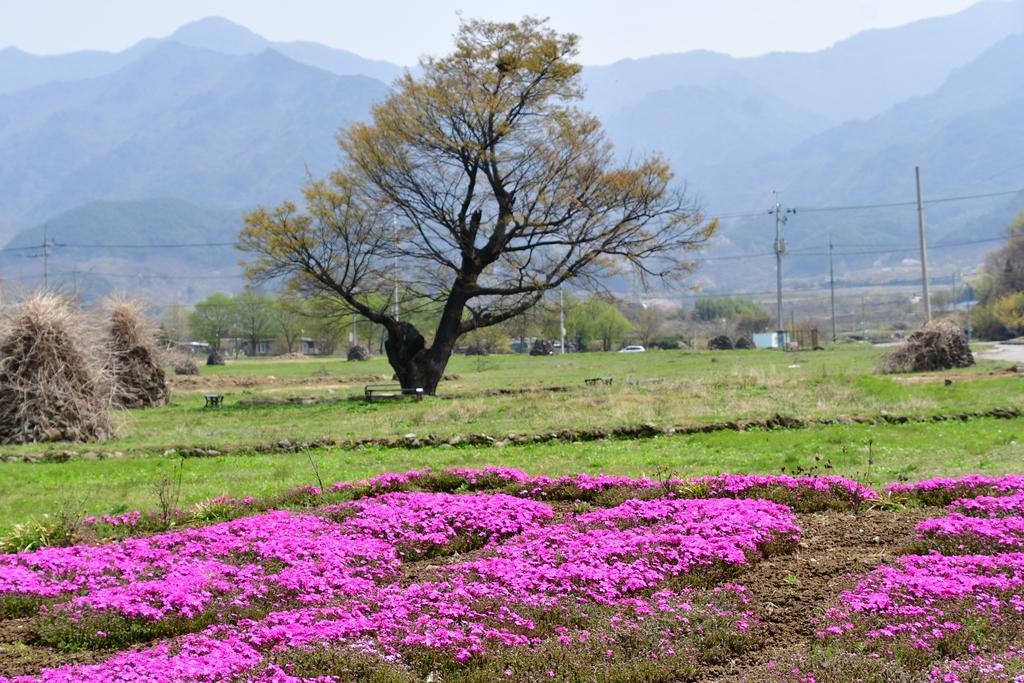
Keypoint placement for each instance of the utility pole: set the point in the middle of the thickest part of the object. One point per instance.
(561, 320)
(780, 248)
(46, 260)
(832, 287)
(395, 224)
(970, 323)
(924, 247)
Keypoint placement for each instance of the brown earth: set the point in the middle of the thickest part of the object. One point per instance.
(408, 441)
(1012, 371)
(791, 592)
(204, 382)
(316, 381)
(18, 658)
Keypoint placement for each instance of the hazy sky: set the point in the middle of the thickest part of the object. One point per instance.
(402, 30)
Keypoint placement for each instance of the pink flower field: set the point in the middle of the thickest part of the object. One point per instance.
(497, 575)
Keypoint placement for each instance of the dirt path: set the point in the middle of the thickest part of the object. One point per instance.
(1012, 353)
(20, 657)
(792, 592)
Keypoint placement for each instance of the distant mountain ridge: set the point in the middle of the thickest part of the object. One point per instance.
(857, 78)
(83, 260)
(216, 129)
(216, 116)
(20, 70)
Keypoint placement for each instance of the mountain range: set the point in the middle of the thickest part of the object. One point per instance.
(175, 137)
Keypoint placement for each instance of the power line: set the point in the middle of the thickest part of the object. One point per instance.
(890, 205)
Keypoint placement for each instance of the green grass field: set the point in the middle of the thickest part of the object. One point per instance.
(690, 388)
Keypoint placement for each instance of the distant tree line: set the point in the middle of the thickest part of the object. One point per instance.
(1000, 289)
(252, 321)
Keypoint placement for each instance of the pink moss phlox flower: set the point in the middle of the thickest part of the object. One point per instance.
(748, 484)
(615, 557)
(990, 506)
(999, 533)
(922, 599)
(961, 487)
(437, 518)
(183, 572)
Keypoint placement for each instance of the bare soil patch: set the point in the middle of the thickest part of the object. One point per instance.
(791, 592)
(1012, 371)
(20, 657)
(204, 382)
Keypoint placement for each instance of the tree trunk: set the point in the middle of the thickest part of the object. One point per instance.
(416, 366)
(408, 356)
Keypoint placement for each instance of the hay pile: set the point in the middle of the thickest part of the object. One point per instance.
(358, 353)
(134, 362)
(182, 363)
(51, 386)
(744, 343)
(720, 343)
(939, 345)
(542, 347)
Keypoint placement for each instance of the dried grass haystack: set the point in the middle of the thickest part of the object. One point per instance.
(358, 353)
(744, 343)
(720, 343)
(180, 362)
(135, 367)
(939, 345)
(50, 383)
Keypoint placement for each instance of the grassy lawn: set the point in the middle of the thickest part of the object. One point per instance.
(667, 388)
(691, 387)
(873, 454)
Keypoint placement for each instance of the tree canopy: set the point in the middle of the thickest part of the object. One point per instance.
(476, 188)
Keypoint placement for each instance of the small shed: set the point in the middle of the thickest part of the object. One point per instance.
(771, 340)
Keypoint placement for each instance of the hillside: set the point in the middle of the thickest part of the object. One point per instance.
(217, 129)
(82, 260)
(857, 78)
(20, 70)
(701, 125)
(218, 116)
(968, 137)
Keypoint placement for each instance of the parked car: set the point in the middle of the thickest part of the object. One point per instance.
(635, 348)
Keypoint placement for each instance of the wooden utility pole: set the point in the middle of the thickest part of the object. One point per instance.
(46, 260)
(561, 321)
(780, 248)
(832, 288)
(924, 248)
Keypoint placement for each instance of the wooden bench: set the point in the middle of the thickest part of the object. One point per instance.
(594, 381)
(214, 400)
(384, 392)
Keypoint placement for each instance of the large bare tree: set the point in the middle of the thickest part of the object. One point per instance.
(476, 188)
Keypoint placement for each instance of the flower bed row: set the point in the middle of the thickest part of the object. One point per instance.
(624, 584)
(955, 611)
(945, 490)
(270, 558)
(803, 494)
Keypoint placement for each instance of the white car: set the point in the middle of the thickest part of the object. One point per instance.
(636, 348)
